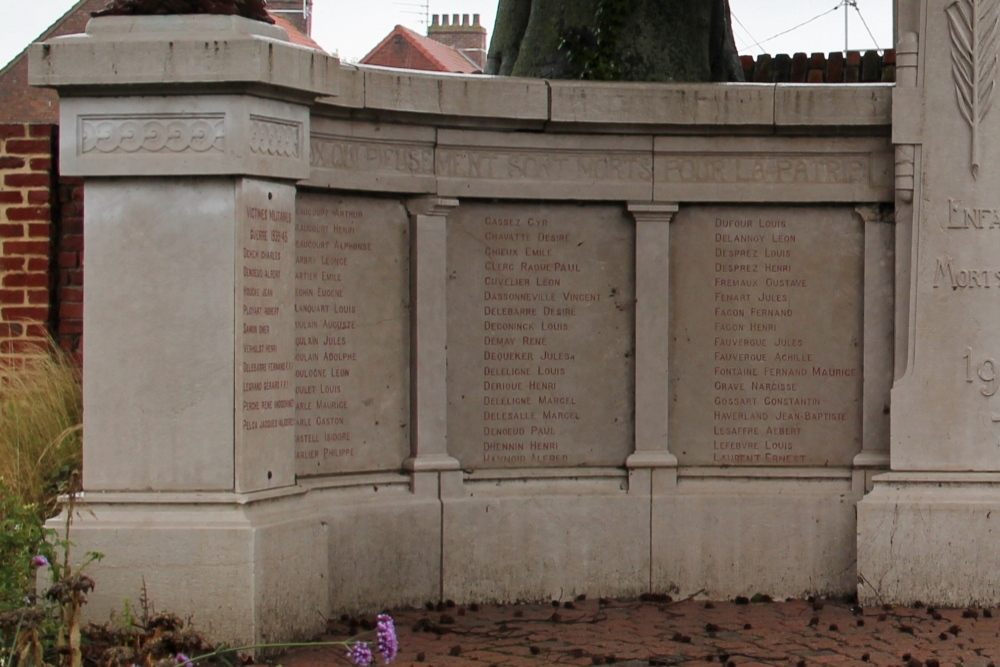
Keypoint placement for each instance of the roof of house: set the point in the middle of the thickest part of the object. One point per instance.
(22, 103)
(404, 48)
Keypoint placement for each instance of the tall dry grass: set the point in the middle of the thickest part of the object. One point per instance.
(41, 410)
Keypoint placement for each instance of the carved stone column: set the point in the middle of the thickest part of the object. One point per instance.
(428, 380)
(878, 342)
(652, 338)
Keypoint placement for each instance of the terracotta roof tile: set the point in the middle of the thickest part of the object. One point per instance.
(296, 36)
(404, 48)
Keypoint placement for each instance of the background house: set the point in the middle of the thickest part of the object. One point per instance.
(457, 45)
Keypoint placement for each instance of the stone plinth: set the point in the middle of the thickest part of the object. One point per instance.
(924, 532)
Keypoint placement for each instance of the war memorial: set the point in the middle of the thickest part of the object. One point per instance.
(359, 337)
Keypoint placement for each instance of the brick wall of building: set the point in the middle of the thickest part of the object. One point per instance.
(836, 67)
(27, 233)
(69, 266)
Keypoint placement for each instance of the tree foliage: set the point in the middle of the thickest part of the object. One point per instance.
(626, 40)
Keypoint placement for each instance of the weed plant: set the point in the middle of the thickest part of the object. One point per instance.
(41, 407)
(40, 413)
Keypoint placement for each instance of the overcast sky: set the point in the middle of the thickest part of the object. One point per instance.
(351, 28)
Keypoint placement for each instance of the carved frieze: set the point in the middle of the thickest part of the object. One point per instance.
(167, 133)
(272, 136)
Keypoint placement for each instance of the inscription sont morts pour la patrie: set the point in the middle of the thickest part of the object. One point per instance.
(540, 324)
(766, 332)
(351, 334)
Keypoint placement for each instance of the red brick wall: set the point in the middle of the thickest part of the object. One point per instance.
(837, 67)
(69, 263)
(27, 174)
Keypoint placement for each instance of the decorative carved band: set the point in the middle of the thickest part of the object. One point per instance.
(175, 134)
(271, 136)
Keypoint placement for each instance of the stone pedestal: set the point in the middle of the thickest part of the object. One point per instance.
(189, 382)
(925, 531)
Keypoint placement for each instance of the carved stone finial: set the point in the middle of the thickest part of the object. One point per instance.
(251, 9)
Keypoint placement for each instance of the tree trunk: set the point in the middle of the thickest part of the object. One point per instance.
(627, 40)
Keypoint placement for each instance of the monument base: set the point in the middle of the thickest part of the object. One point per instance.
(264, 567)
(509, 539)
(931, 537)
(782, 536)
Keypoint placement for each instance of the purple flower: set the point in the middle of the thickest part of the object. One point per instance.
(385, 632)
(182, 659)
(39, 561)
(361, 654)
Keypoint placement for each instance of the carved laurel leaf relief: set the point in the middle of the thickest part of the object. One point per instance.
(974, 27)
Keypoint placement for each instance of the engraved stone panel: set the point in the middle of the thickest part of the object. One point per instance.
(766, 336)
(528, 166)
(265, 387)
(347, 155)
(753, 169)
(351, 334)
(541, 330)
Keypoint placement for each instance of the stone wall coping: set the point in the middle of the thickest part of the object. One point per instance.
(183, 54)
(159, 54)
(612, 106)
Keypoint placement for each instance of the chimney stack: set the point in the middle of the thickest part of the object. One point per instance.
(296, 12)
(465, 37)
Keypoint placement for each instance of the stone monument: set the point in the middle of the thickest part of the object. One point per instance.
(358, 338)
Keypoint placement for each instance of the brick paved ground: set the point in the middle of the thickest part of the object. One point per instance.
(639, 633)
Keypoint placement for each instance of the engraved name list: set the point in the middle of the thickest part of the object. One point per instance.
(766, 326)
(540, 312)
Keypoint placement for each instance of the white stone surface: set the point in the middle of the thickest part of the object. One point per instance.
(930, 537)
(652, 348)
(263, 308)
(662, 104)
(839, 105)
(466, 96)
(356, 155)
(766, 327)
(429, 380)
(772, 169)
(384, 548)
(351, 306)
(152, 51)
(946, 408)
(785, 537)
(545, 540)
(160, 267)
(227, 566)
(541, 335)
(183, 135)
(543, 166)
